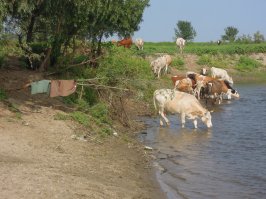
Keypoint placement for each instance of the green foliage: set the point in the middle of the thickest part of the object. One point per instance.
(121, 66)
(247, 64)
(38, 47)
(185, 30)
(101, 113)
(206, 48)
(230, 33)
(204, 60)
(258, 37)
(80, 117)
(2, 58)
(60, 116)
(3, 95)
(178, 63)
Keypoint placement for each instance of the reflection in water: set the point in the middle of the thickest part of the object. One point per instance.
(227, 161)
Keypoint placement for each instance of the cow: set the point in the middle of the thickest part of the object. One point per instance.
(158, 65)
(216, 89)
(185, 85)
(221, 74)
(219, 42)
(180, 42)
(176, 102)
(139, 43)
(126, 42)
(161, 64)
(168, 59)
(203, 71)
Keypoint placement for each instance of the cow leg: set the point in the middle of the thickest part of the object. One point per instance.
(195, 123)
(183, 119)
(159, 72)
(162, 116)
(166, 69)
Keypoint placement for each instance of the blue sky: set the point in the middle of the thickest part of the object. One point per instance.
(208, 17)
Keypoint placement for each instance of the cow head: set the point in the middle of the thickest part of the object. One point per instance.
(207, 119)
(234, 93)
(203, 71)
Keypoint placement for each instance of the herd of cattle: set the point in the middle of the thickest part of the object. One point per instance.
(139, 43)
(188, 90)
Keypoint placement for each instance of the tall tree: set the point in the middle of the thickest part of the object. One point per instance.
(230, 34)
(57, 22)
(108, 17)
(185, 30)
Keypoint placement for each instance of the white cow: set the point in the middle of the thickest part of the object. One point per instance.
(172, 101)
(221, 74)
(158, 65)
(168, 59)
(180, 42)
(139, 43)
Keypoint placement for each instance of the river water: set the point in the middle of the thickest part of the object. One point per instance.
(227, 161)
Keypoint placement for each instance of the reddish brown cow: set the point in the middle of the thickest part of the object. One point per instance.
(183, 83)
(127, 42)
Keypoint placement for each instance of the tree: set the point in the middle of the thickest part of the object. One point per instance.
(58, 22)
(185, 30)
(113, 17)
(230, 34)
(258, 37)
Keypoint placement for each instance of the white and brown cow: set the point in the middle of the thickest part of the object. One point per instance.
(217, 89)
(221, 74)
(176, 102)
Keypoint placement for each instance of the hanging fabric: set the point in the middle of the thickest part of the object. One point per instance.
(42, 86)
(62, 87)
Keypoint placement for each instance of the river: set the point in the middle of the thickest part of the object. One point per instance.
(226, 161)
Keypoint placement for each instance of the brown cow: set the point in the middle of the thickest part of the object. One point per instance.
(215, 89)
(183, 84)
(126, 42)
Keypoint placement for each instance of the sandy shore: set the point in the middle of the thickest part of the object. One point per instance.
(41, 157)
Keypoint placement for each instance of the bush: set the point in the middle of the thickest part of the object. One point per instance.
(101, 113)
(80, 117)
(120, 66)
(246, 63)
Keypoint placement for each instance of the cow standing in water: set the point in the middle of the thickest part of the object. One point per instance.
(168, 100)
(127, 42)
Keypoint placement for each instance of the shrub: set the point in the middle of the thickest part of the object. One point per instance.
(121, 65)
(101, 113)
(80, 117)
(246, 63)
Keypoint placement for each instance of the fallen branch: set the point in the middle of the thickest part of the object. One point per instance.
(103, 86)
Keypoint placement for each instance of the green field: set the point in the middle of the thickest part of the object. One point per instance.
(205, 48)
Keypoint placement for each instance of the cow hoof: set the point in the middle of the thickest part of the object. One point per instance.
(168, 123)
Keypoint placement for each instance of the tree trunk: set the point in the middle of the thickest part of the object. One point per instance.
(46, 62)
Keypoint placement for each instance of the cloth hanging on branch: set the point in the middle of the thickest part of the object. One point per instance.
(62, 87)
(42, 86)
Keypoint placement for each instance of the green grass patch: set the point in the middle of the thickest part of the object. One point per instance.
(247, 64)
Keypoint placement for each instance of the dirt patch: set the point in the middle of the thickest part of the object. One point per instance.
(41, 157)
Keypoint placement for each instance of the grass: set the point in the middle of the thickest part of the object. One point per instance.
(205, 48)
